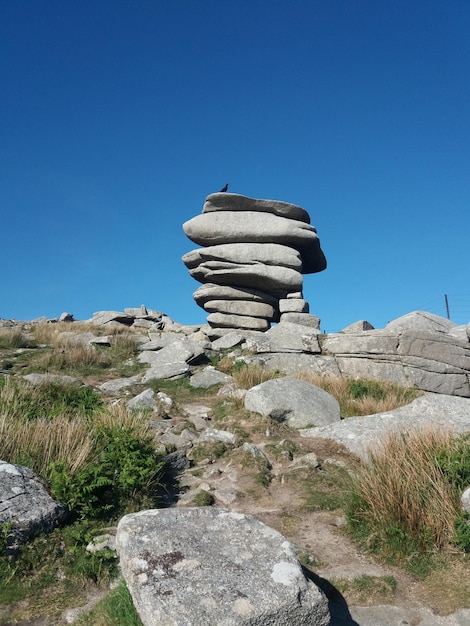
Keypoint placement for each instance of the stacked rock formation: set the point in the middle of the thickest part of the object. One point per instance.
(252, 260)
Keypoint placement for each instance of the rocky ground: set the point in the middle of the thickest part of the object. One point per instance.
(250, 464)
(362, 590)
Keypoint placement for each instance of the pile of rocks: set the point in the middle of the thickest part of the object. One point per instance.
(251, 264)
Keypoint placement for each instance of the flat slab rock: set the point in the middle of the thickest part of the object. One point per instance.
(211, 567)
(365, 432)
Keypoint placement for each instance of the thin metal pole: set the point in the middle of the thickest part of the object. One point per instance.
(447, 306)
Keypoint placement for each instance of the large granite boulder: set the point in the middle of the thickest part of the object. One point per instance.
(210, 566)
(296, 402)
(26, 505)
(252, 250)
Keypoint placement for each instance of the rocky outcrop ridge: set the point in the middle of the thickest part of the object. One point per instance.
(419, 350)
(252, 260)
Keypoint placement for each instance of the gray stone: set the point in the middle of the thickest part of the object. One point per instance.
(286, 337)
(358, 326)
(296, 363)
(40, 379)
(361, 433)
(214, 567)
(183, 440)
(465, 499)
(166, 371)
(229, 340)
(420, 320)
(159, 340)
(294, 401)
(306, 460)
(212, 434)
(241, 307)
(209, 376)
(237, 321)
(145, 400)
(115, 385)
(135, 312)
(461, 332)
(26, 504)
(243, 253)
(293, 305)
(361, 344)
(66, 317)
(105, 317)
(164, 402)
(275, 279)
(102, 542)
(237, 202)
(209, 229)
(376, 367)
(303, 319)
(211, 291)
(256, 452)
(182, 350)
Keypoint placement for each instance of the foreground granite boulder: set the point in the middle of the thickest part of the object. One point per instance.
(212, 567)
(25, 504)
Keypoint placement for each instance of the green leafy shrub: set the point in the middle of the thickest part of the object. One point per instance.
(123, 472)
(462, 532)
(203, 498)
(361, 388)
(454, 462)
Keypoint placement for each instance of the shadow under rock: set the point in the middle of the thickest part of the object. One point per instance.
(174, 465)
(339, 612)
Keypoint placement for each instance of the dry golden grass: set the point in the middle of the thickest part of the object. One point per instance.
(403, 488)
(14, 338)
(46, 441)
(48, 333)
(71, 358)
(391, 396)
(67, 355)
(248, 376)
(69, 439)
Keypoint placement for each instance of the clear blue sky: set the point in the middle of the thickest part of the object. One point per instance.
(118, 117)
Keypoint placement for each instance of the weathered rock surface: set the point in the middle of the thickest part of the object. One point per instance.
(209, 229)
(209, 376)
(241, 307)
(432, 360)
(39, 379)
(210, 566)
(262, 246)
(26, 504)
(296, 402)
(236, 202)
(361, 433)
(210, 291)
(250, 253)
(227, 320)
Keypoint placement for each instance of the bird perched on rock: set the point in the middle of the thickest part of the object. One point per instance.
(224, 189)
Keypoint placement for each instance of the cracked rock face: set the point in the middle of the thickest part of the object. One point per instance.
(254, 251)
(26, 505)
(211, 566)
